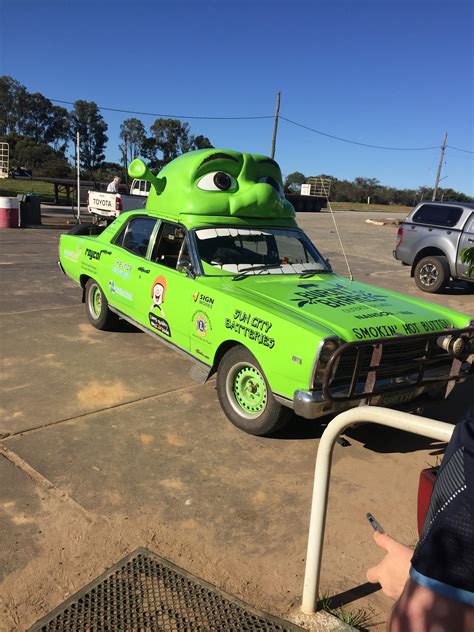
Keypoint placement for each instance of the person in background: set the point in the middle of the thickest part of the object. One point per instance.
(433, 586)
(112, 187)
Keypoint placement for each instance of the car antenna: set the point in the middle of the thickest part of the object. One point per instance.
(325, 190)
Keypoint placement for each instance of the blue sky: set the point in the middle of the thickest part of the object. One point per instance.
(383, 72)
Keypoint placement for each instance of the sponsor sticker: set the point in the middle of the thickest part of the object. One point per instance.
(160, 324)
(115, 289)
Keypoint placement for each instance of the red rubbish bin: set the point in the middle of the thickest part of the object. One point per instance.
(8, 212)
(425, 489)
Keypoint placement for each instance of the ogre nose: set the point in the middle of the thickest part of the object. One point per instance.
(261, 196)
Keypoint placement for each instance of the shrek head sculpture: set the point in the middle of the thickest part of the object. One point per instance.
(216, 182)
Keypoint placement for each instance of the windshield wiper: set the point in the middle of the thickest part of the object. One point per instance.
(243, 273)
(310, 272)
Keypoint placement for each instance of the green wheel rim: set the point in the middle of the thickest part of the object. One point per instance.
(250, 390)
(96, 302)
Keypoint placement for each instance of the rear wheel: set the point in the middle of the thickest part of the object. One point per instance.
(97, 307)
(432, 273)
(86, 229)
(245, 395)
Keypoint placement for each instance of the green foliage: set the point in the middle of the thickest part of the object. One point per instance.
(294, 181)
(170, 138)
(467, 256)
(41, 158)
(133, 135)
(360, 619)
(361, 188)
(32, 115)
(87, 120)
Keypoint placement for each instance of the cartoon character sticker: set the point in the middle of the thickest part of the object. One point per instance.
(158, 291)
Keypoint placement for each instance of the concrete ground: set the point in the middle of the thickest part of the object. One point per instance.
(107, 445)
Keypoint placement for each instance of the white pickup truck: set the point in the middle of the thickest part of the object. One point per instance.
(107, 206)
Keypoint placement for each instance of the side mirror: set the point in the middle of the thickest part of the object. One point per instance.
(187, 267)
(328, 264)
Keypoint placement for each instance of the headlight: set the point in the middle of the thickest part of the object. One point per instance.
(326, 351)
(455, 345)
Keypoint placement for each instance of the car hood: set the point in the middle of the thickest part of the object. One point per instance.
(348, 309)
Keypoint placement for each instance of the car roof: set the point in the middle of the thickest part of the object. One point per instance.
(449, 203)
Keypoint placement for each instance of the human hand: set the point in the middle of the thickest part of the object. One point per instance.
(393, 571)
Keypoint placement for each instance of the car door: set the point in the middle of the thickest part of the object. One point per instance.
(164, 290)
(466, 241)
(127, 263)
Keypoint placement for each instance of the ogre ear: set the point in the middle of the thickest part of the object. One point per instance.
(138, 169)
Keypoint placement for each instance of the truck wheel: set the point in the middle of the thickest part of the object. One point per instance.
(245, 395)
(97, 307)
(85, 229)
(432, 273)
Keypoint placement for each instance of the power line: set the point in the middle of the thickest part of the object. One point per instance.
(175, 116)
(268, 116)
(354, 142)
(467, 151)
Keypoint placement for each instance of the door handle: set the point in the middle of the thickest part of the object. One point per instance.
(470, 240)
(142, 269)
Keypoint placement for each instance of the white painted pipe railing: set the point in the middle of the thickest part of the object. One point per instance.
(363, 414)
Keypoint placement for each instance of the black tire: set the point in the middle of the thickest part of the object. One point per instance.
(86, 229)
(97, 307)
(269, 415)
(432, 274)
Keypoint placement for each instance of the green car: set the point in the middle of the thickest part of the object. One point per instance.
(217, 267)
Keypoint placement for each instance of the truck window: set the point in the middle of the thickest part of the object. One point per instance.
(135, 236)
(438, 215)
(470, 225)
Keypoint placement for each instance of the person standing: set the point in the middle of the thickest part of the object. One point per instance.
(112, 187)
(433, 586)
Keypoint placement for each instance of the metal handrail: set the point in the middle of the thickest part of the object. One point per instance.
(363, 414)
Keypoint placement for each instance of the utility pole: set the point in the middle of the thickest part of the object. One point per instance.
(78, 167)
(275, 125)
(438, 173)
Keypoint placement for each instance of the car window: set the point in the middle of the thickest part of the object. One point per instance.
(470, 225)
(437, 214)
(135, 236)
(170, 245)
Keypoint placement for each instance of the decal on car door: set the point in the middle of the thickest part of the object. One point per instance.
(158, 293)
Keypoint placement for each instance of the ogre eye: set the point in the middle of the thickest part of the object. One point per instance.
(273, 183)
(217, 181)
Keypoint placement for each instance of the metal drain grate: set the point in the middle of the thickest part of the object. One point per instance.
(144, 592)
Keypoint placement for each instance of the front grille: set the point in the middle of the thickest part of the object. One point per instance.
(360, 369)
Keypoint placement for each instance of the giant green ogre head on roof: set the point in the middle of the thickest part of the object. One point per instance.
(217, 182)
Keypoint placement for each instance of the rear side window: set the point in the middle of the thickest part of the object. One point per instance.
(439, 215)
(135, 237)
(470, 225)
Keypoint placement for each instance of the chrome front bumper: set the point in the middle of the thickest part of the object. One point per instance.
(313, 404)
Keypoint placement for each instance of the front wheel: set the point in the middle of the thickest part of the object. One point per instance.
(245, 395)
(97, 307)
(432, 274)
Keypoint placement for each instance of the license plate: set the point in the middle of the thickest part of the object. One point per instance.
(393, 399)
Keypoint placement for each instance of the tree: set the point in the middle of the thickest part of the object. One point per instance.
(171, 137)
(13, 105)
(87, 120)
(200, 142)
(294, 181)
(132, 133)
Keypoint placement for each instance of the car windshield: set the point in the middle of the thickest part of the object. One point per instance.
(257, 251)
